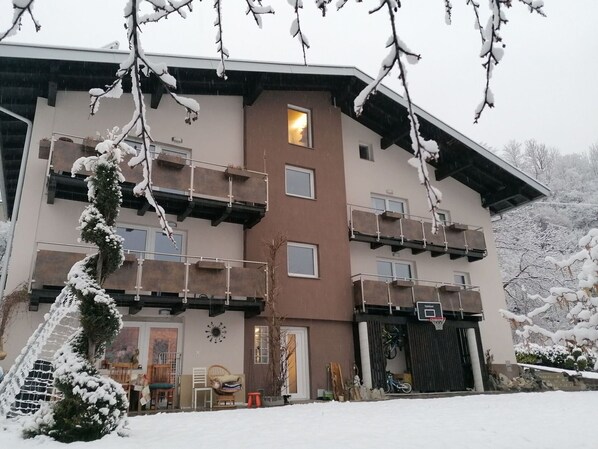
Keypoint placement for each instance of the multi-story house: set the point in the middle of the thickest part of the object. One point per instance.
(277, 150)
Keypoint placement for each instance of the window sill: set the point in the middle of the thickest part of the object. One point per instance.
(302, 276)
(301, 146)
(301, 197)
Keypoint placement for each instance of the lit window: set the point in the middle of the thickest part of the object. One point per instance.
(299, 182)
(388, 270)
(391, 204)
(260, 345)
(366, 152)
(299, 124)
(461, 278)
(302, 260)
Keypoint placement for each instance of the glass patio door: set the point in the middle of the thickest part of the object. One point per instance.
(297, 385)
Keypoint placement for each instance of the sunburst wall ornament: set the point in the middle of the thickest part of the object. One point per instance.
(216, 332)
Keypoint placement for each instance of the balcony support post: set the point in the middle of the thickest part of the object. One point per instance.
(138, 278)
(460, 304)
(362, 295)
(191, 181)
(378, 227)
(475, 360)
(227, 294)
(364, 349)
(186, 289)
(389, 298)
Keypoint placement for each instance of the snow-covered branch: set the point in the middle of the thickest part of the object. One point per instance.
(163, 9)
(134, 66)
(296, 30)
(448, 12)
(257, 11)
(492, 45)
(424, 151)
(477, 24)
(220, 48)
(21, 8)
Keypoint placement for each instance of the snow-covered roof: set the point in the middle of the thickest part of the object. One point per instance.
(501, 185)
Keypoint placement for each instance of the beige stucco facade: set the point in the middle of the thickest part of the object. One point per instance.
(390, 175)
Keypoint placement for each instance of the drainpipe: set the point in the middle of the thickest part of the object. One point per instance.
(364, 349)
(17, 203)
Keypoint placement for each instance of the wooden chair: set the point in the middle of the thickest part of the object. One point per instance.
(223, 399)
(121, 372)
(160, 385)
(200, 384)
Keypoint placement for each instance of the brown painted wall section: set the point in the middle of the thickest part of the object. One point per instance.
(322, 221)
(328, 341)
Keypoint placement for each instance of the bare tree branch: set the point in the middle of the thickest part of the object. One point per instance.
(257, 11)
(296, 27)
(20, 9)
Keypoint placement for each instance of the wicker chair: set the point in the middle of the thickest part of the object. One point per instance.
(224, 395)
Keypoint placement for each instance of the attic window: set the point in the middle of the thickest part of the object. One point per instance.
(366, 152)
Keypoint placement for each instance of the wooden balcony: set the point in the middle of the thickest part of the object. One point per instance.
(145, 281)
(183, 187)
(400, 231)
(376, 293)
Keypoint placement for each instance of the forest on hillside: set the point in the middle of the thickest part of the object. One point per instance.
(549, 227)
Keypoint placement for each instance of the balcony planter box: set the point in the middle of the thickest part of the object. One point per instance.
(130, 258)
(392, 215)
(171, 161)
(209, 265)
(89, 144)
(44, 149)
(450, 288)
(238, 173)
(402, 283)
(458, 227)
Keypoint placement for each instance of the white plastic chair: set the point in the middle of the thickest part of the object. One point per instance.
(200, 383)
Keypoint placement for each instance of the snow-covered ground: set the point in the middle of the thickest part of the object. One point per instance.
(559, 420)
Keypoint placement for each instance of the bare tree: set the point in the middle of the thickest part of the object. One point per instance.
(593, 157)
(540, 158)
(513, 154)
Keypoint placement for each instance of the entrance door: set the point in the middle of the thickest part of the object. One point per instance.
(297, 361)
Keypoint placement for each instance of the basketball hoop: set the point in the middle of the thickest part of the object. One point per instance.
(438, 322)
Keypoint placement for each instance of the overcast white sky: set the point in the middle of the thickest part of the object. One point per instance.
(546, 87)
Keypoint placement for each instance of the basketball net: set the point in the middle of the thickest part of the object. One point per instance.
(438, 322)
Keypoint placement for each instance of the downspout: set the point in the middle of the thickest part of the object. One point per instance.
(17, 204)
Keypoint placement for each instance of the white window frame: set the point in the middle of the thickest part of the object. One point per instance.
(466, 278)
(150, 239)
(386, 199)
(370, 151)
(447, 214)
(394, 262)
(144, 333)
(314, 249)
(261, 345)
(311, 174)
(309, 125)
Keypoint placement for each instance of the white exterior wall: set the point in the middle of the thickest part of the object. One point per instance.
(390, 175)
(216, 138)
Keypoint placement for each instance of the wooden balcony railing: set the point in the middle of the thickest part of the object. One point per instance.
(147, 279)
(401, 231)
(395, 295)
(184, 187)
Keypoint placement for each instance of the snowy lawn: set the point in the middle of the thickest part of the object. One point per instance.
(562, 420)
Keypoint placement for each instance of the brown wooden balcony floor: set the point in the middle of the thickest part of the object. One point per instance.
(396, 297)
(403, 232)
(173, 183)
(143, 282)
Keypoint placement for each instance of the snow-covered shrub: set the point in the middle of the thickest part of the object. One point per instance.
(555, 356)
(92, 405)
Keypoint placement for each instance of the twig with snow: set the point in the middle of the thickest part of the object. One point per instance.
(296, 30)
(21, 8)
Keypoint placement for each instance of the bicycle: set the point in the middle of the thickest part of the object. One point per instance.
(392, 341)
(396, 386)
